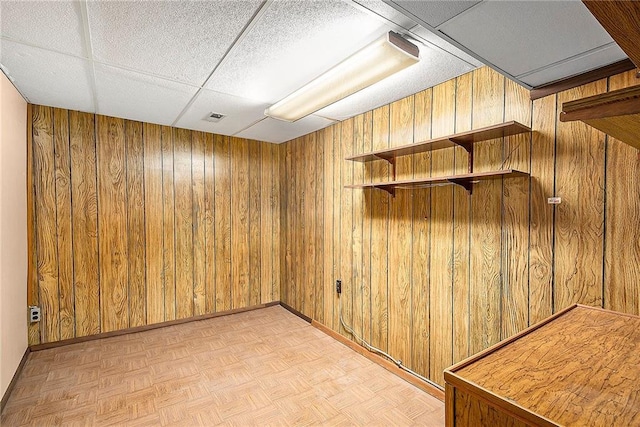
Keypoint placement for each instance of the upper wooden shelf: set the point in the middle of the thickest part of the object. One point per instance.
(463, 180)
(464, 139)
(615, 113)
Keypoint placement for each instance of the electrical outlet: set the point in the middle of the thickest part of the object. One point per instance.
(339, 286)
(554, 200)
(34, 313)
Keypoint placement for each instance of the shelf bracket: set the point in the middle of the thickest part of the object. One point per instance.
(468, 146)
(389, 189)
(467, 185)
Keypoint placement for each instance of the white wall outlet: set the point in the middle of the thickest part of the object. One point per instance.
(34, 313)
(554, 200)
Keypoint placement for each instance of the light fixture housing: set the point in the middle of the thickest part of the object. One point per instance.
(382, 58)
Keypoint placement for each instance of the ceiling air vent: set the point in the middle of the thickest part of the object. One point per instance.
(214, 117)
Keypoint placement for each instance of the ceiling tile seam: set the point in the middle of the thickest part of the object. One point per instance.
(458, 15)
(569, 59)
(86, 36)
(447, 39)
(146, 73)
(249, 126)
(25, 43)
(245, 30)
(403, 30)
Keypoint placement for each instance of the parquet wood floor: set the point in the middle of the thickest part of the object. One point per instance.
(263, 367)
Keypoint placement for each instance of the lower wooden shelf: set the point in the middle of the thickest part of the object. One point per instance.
(466, 181)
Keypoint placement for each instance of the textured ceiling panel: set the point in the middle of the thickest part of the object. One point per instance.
(239, 113)
(523, 36)
(430, 37)
(122, 93)
(434, 13)
(583, 63)
(53, 25)
(48, 78)
(293, 43)
(182, 40)
(387, 12)
(272, 130)
(434, 67)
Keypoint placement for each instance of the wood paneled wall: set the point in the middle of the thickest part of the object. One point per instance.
(135, 223)
(434, 275)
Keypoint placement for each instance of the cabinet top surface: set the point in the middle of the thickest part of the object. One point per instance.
(581, 368)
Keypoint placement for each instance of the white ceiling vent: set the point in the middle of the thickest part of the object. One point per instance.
(214, 117)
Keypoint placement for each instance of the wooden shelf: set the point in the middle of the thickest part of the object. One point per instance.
(615, 113)
(466, 181)
(464, 140)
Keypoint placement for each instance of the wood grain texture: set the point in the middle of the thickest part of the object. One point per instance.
(420, 256)
(239, 222)
(579, 221)
(153, 204)
(346, 254)
(622, 216)
(486, 216)
(168, 224)
(267, 211)
(84, 205)
(358, 222)
(441, 248)
(136, 223)
(112, 223)
(400, 239)
(481, 267)
(33, 297)
(462, 226)
(380, 235)
(183, 187)
(222, 211)
(542, 214)
(255, 225)
(198, 142)
(515, 235)
(126, 209)
(209, 223)
(328, 229)
(46, 244)
(64, 222)
(591, 354)
(470, 411)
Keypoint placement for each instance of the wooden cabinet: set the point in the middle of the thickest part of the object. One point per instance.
(580, 367)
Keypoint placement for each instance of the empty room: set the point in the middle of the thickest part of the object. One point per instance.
(319, 213)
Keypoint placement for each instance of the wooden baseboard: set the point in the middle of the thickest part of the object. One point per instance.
(296, 312)
(136, 329)
(389, 366)
(12, 384)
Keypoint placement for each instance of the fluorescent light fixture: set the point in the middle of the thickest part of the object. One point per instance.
(377, 61)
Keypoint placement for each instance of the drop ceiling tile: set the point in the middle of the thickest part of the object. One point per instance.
(435, 40)
(387, 12)
(433, 13)
(48, 78)
(581, 64)
(294, 42)
(239, 113)
(53, 25)
(181, 40)
(435, 67)
(522, 36)
(272, 130)
(130, 95)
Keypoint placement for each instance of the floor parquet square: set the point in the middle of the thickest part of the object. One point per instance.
(262, 367)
